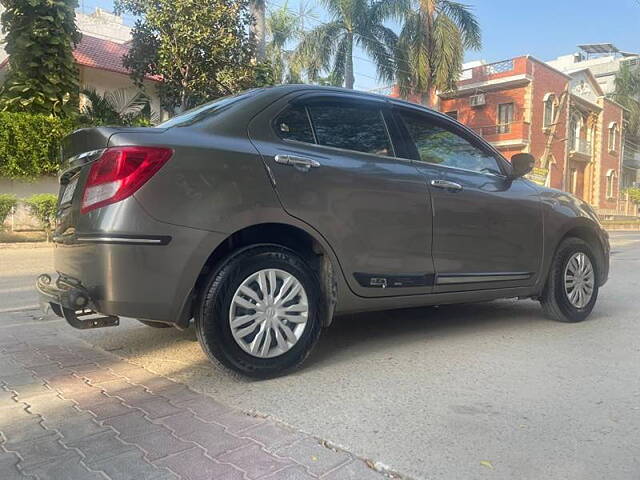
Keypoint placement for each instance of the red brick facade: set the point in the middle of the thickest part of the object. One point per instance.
(561, 119)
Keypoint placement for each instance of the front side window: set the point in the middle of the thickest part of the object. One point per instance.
(293, 124)
(351, 127)
(441, 146)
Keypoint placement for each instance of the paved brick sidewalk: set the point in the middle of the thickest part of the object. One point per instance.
(69, 411)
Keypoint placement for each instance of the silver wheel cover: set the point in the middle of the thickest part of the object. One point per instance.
(579, 280)
(268, 313)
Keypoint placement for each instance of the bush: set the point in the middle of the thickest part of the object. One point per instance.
(634, 194)
(30, 144)
(7, 203)
(43, 206)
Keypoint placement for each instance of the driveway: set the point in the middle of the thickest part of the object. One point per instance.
(491, 390)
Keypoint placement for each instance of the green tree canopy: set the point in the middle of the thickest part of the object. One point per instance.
(627, 94)
(40, 37)
(200, 48)
(329, 46)
(431, 46)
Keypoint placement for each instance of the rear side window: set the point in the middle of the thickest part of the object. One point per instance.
(293, 124)
(441, 146)
(350, 127)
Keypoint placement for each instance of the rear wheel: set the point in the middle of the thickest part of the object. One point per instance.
(260, 312)
(572, 287)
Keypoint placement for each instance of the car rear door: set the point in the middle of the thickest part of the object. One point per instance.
(336, 168)
(487, 228)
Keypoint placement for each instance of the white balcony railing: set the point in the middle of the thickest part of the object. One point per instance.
(582, 146)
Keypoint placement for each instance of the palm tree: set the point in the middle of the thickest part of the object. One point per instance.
(117, 107)
(627, 94)
(431, 46)
(283, 26)
(329, 46)
(258, 30)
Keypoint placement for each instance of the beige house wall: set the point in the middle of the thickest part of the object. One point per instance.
(21, 219)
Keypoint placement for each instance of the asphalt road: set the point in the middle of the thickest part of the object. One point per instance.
(491, 390)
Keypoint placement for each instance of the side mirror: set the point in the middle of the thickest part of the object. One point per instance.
(522, 164)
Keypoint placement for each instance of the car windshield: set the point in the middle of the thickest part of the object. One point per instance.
(206, 110)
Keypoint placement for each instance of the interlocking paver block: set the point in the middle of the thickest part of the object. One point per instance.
(235, 422)
(20, 380)
(295, 472)
(132, 424)
(70, 384)
(9, 466)
(205, 408)
(105, 409)
(26, 393)
(99, 446)
(272, 436)
(254, 461)
(194, 465)
(98, 377)
(7, 398)
(315, 457)
(175, 393)
(355, 470)
(129, 394)
(16, 425)
(132, 373)
(157, 408)
(47, 371)
(160, 444)
(129, 466)
(81, 426)
(79, 370)
(50, 403)
(67, 467)
(38, 451)
(210, 436)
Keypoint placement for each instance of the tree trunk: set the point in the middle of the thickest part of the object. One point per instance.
(348, 69)
(258, 28)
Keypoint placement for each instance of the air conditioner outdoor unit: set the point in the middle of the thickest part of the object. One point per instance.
(477, 100)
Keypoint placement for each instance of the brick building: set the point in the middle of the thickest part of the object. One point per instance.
(562, 118)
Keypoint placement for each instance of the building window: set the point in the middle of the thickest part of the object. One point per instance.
(573, 180)
(613, 136)
(611, 182)
(575, 128)
(453, 114)
(505, 117)
(550, 108)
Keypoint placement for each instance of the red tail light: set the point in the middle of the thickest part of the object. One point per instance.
(119, 173)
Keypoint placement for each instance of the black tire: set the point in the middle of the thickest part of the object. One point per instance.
(555, 302)
(149, 323)
(212, 314)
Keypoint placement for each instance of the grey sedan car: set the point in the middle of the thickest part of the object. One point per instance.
(264, 214)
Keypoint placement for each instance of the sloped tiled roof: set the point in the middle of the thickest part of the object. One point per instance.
(98, 53)
(102, 54)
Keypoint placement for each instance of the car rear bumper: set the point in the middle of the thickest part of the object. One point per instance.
(123, 272)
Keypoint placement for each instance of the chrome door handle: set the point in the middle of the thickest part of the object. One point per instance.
(446, 184)
(301, 163)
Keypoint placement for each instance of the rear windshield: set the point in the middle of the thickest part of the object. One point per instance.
(207, 110)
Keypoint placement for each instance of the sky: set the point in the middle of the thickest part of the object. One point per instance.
(545, 29)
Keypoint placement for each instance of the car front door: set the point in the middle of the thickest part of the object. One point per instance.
(336, 168)
(487, 228)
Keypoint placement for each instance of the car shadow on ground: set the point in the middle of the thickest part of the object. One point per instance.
(349, 336)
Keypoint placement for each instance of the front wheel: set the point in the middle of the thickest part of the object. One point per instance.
(572, 287)
(260, 312)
